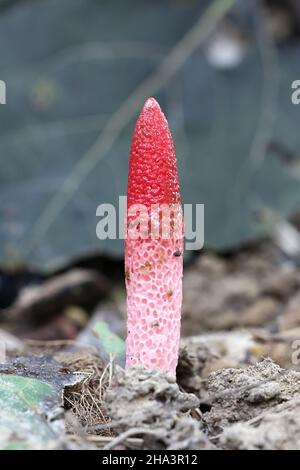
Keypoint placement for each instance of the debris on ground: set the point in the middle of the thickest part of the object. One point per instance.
(250, 289)
(238, 376)
(150, 404)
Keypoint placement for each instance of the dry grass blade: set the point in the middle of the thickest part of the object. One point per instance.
(85, 400)
(131, 432)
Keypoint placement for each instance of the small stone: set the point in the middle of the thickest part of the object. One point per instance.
(282, 283)
(262, 311)
(264, 392)
(291, 315)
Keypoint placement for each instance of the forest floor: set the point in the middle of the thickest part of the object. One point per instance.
(238, 376)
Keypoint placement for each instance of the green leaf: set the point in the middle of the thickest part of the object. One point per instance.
(24, 403)
(62, 89)
(31, 399)
(110, 343)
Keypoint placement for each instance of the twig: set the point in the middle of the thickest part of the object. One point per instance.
(118, 121)
(49, 130)
(131, 432)
(89, 51)
(60, 343)
(108, 368)
(104, 439)
(270, 90)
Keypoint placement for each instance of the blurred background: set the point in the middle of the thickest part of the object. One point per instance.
(77, 73)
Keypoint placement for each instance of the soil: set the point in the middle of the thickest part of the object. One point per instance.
(253, 288)
(241, 319)
(252, 408)
(237, 383)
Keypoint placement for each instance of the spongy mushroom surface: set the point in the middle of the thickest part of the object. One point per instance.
(153, 264)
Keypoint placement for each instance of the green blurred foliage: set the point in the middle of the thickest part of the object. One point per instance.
(69, 64)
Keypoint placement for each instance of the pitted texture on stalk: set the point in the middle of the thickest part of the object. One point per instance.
(153, 281)
(153, 265)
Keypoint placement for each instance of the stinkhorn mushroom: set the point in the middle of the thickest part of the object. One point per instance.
(153, 261)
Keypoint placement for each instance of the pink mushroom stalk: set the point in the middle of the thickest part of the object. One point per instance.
(154, 255)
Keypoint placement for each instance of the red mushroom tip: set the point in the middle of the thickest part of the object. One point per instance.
(153, 174)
